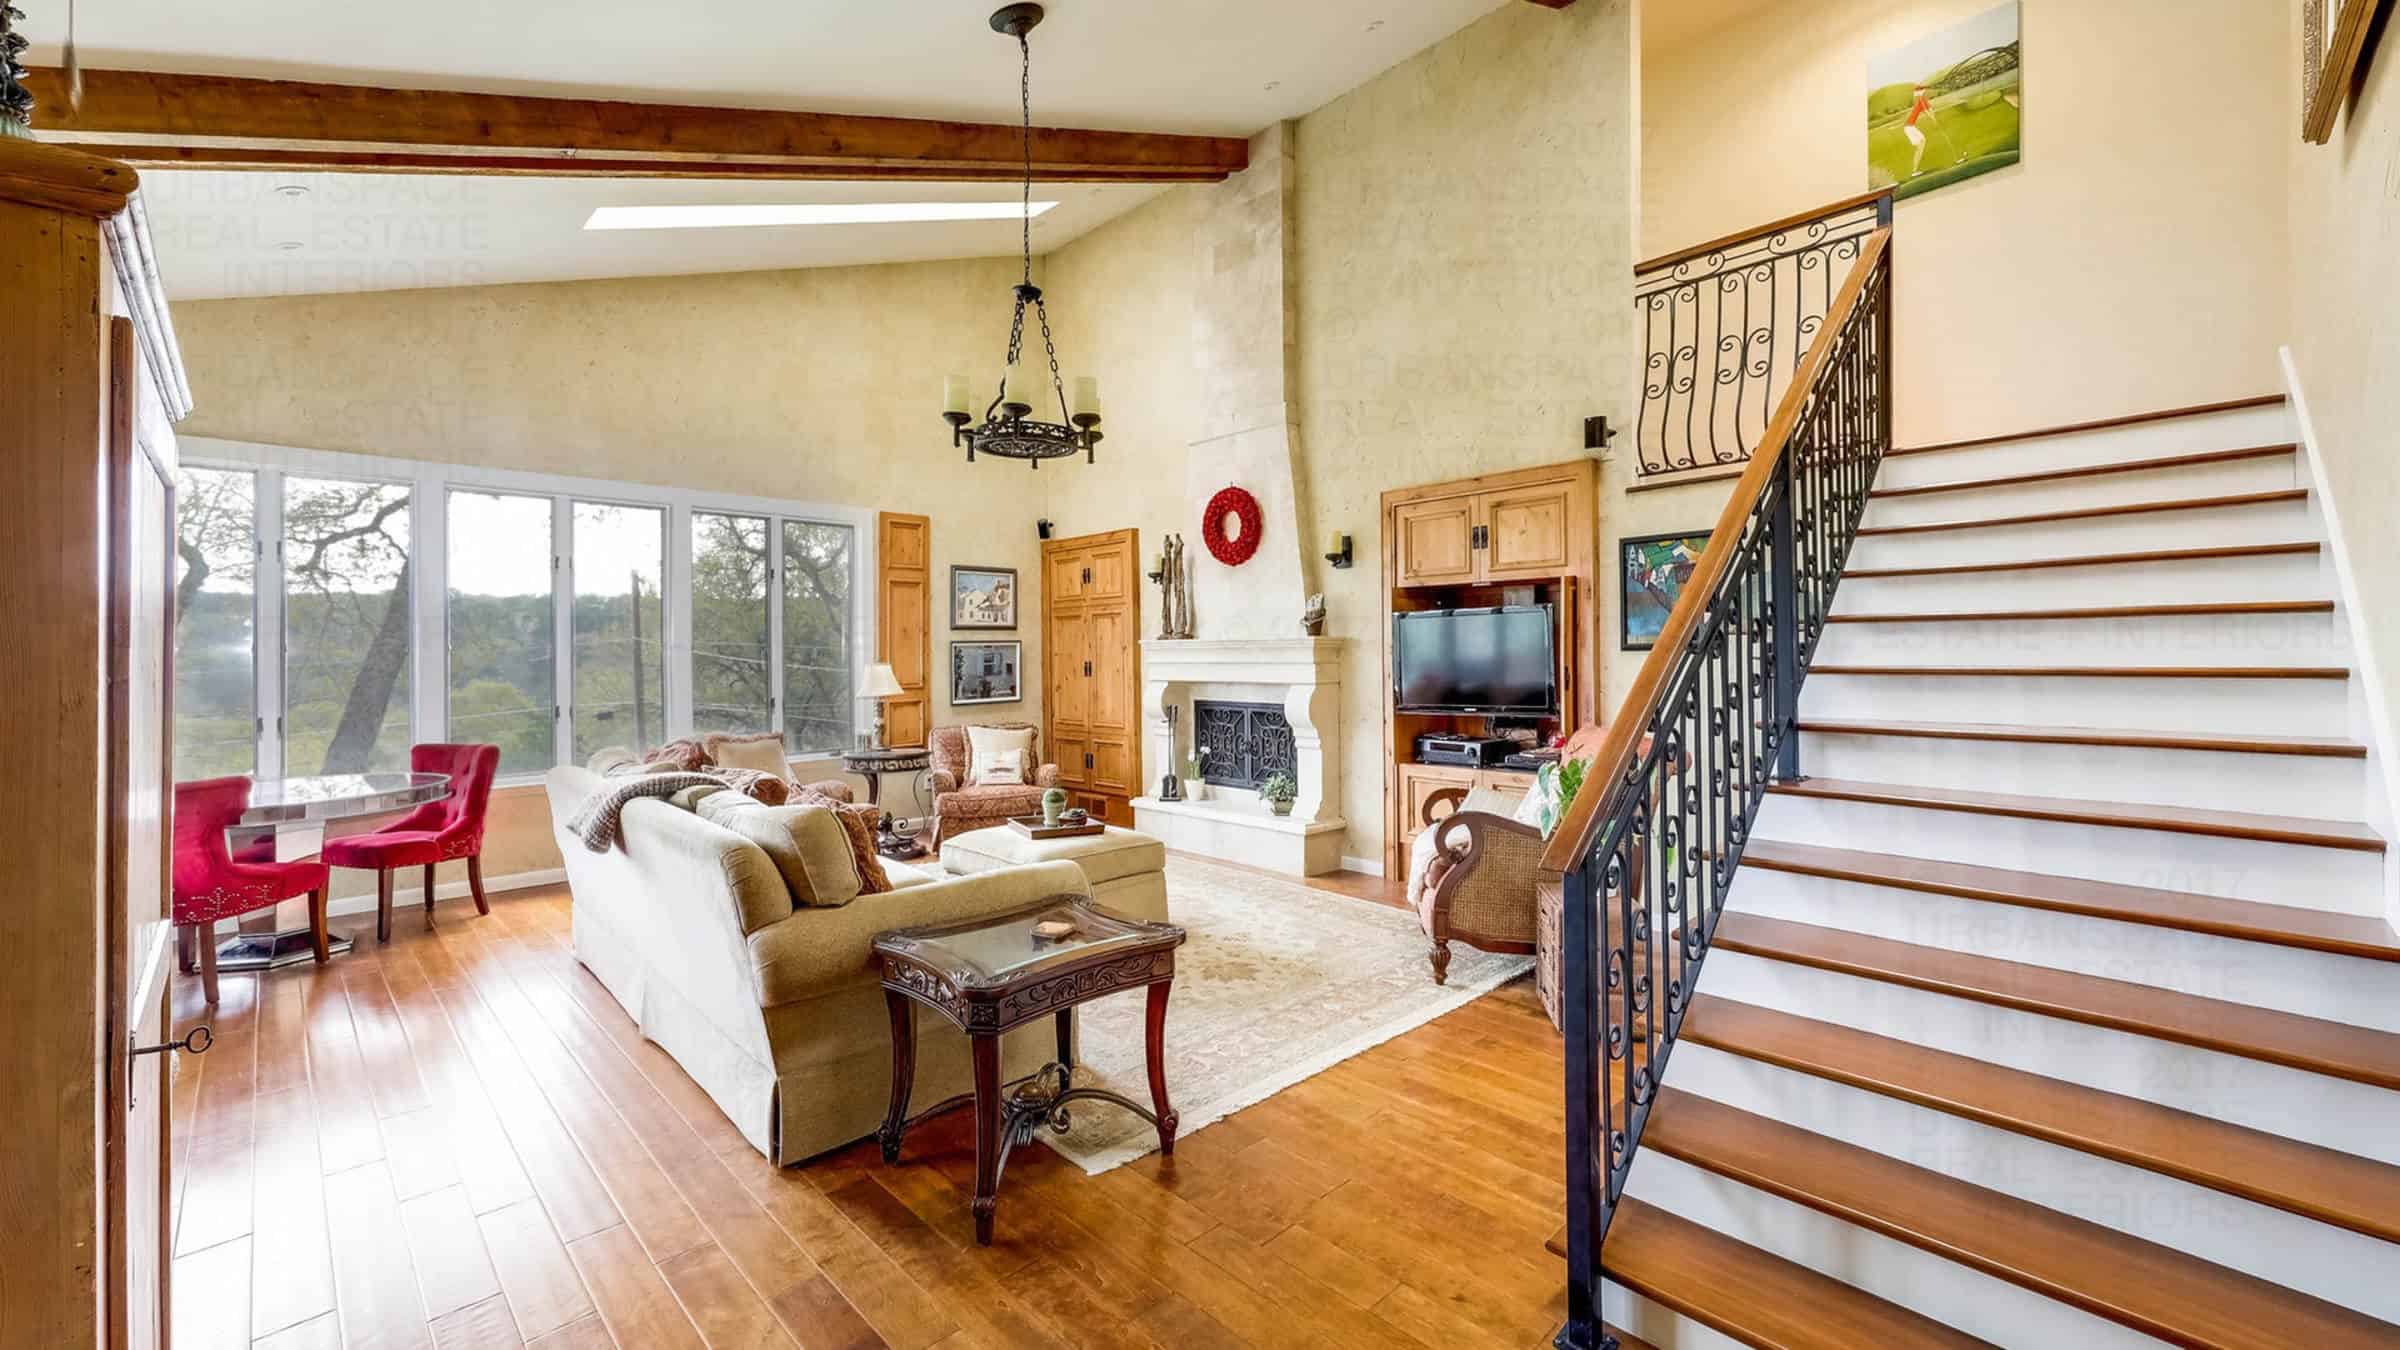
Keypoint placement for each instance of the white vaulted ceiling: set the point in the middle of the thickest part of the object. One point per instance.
(1227, 67)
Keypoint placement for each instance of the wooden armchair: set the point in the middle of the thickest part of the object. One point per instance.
(961, 804)
(1485, 898)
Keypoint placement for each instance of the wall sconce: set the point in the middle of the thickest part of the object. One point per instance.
(1337, 546)
(1597, 434)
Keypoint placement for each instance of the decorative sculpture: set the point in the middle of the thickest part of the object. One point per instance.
(16, 101)
(1312, 619)
(1174, 579)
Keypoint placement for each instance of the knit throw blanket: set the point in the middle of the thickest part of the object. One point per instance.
(596, 821)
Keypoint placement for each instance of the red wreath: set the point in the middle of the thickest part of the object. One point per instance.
(1236, 502)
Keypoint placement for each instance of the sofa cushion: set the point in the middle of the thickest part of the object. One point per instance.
(809, 847)
(903, 875)
(986, 746)
(762, 752)
(1108, 856)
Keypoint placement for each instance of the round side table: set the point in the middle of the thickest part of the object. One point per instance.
(872, 765)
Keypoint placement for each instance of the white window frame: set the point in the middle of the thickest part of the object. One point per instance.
(430, 484)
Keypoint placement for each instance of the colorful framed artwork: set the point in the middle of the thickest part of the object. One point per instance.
(1652, 570)
(986, 672)
(983, 597)
(1947, 106)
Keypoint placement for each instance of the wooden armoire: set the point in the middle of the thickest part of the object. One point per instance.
(90, 385)
(1091, 648)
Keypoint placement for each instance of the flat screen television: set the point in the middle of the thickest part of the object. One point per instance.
(1501, 660)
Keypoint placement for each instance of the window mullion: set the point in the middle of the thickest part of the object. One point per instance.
(678, 579)
(777, 718)
(429, 607)
(562, 627)
(266, 648)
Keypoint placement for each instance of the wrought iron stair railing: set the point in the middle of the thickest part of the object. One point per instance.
(1649, 849)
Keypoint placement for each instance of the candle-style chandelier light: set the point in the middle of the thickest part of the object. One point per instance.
(1009, 429)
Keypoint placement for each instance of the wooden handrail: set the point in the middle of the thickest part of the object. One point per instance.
(1833, 208)
(1578, 833)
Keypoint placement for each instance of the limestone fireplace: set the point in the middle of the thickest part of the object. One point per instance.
(1299, 676)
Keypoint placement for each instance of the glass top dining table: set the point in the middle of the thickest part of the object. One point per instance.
(286, 820)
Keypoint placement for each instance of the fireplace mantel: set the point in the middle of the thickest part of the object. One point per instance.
(1302, 675)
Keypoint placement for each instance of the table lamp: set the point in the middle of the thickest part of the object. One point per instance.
(880, 684)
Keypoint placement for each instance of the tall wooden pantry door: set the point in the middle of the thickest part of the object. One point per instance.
(1091, 634)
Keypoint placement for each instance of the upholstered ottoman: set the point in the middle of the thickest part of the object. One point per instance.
(1126, 868)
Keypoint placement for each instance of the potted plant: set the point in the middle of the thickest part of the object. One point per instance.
(1195, 782)
(1278, 791)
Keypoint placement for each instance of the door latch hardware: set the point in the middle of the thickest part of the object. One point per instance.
(194, 1042)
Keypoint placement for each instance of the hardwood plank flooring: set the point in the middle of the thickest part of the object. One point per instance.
(460, 1140)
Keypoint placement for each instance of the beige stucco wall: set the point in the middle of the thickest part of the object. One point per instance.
(817, 386)
(2345, 349)
(2135, 259)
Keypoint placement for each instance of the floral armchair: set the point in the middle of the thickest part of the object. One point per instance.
(961, 804)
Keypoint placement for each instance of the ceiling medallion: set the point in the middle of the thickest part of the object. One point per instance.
(1009, 428)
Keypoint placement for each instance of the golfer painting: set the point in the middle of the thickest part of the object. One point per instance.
(1946, 106)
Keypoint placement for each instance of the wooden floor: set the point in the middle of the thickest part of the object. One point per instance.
(459, 1140)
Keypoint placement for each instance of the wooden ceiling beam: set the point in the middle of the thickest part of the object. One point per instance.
(216, 121)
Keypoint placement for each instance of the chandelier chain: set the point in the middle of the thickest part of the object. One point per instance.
(1025, 102)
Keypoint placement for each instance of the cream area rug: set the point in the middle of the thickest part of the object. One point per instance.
(1275, 983)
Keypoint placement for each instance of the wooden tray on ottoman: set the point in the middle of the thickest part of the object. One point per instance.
(1033, 828)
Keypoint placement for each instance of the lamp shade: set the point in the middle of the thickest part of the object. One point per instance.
(880, 682)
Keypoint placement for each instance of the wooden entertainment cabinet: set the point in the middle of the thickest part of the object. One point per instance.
(1470, 543)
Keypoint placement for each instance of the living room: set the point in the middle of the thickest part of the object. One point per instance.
(687, 546)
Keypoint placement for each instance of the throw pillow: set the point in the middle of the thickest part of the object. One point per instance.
(1005, 769)
(606, 760)
(1536, 806)
(858, 827)
(689, 798)
(763, 787)
(808, 846)
(763, 752)
(986, 744)
(687, 755)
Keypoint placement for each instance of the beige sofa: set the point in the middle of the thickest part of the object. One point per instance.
(775, 1012)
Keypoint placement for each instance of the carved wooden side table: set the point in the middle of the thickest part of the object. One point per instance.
(991, 975)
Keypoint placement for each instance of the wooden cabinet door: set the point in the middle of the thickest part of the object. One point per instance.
(1112, 766)
(1419, 781)
(1435, 541)
(904, 625)
(1066, 567)
(1111, 572)
(1066, 652)
(1524, 531)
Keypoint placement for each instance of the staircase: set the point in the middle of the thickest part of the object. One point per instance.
(2055, 1005)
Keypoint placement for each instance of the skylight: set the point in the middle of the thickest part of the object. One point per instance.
(803, 213)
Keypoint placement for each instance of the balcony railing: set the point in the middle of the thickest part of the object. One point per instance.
(1649, 848)
(1725, 326)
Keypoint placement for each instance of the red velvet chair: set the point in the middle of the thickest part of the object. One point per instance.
(210, 885)
(433, 833)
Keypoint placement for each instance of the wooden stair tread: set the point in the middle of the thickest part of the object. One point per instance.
(2343, 834)
(2359, 935)
(2153, 1289)
(2101, 424)
(2095, 470)
(2094, 560)
(2197, 610)
(2098, 512)
(2101, 672)
(1754, 1296)
(2336, 1049)
(2324, 1184)
(2250, 743)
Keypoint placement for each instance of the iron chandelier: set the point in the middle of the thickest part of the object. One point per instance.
(1009, 429)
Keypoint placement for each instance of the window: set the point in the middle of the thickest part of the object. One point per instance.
(333, 608)
(818, 709)
(620, 553)
(503, 635)
(732, 683)
(347, 625)
(216, 612)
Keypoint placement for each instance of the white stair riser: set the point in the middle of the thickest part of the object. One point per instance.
(1941, 1289)
(2277, 576)
(2287, 979)
(2311, 1107)
(2274, 522)
(2271, 1244)
(2302, 639)
(1658, 1324)
(2319, 708)
(2292, 785)
(2342, 881)
(2265, 473)
(2148, 440)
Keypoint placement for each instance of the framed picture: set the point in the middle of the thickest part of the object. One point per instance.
(986, 672)
(2333, 47)
(983, 597)
(1652, 569)
(1946, 107)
